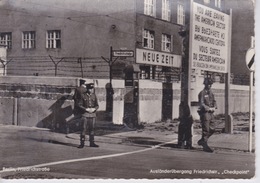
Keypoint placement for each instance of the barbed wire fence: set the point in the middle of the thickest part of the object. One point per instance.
(91, 67)
(55, 66)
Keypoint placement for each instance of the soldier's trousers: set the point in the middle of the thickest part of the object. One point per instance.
(87, 123)
(208, 126)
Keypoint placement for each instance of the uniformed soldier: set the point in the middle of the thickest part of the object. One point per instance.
(207, 107)
(86, 105)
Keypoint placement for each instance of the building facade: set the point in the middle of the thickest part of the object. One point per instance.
(68, 39)
(78, 39)
(60, 30)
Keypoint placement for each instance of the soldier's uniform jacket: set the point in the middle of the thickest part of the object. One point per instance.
(83, 100)
(206, 101)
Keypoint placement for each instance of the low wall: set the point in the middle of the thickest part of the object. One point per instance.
(176, 99)
(47, 101)
(239, 98)
(150, 101)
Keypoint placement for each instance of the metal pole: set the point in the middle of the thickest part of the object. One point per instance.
(81, 67)
(15, 112)
(110, 67)
(186, 129)
(250, 111)
(189, 68)
(228, 117)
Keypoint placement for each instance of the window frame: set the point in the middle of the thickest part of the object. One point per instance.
(53, 39)
(148, 39)
(166, 10)
(150, 7)
(206, 1)
(6, 39)
(180, 14)
(218, 3)
(29, 40)
(166, 39)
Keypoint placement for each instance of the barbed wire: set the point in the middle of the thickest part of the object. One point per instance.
(87, 67)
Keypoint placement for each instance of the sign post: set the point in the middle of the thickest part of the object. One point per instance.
(250, 62)
(110, 61)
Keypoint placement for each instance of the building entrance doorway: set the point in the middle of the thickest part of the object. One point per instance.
(167, 98)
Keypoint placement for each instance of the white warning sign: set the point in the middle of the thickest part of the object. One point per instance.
(210, 32)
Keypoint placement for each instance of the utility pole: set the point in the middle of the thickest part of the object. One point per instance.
(228, 116)
(185, 126)
(109, 87)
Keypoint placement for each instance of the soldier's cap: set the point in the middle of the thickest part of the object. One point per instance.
(208, 81)
(90, 85)
(82, 81)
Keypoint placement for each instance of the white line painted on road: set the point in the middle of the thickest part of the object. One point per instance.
(83, 159)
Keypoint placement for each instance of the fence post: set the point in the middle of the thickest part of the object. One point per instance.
(55, 64)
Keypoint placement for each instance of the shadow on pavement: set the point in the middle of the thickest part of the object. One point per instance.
(53, 142)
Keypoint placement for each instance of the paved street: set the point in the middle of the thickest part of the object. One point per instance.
(39, 153)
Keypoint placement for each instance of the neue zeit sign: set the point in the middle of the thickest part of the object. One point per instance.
(209, 39)
(151, 57)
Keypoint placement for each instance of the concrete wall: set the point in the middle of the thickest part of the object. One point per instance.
(150, 101)
(31, 101)
(176, 99)
(46, 102)
(239, 98)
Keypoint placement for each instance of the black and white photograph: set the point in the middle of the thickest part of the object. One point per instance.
(128, 90)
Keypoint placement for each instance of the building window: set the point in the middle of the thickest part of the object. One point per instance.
(218, 3)
(28, 41)
(149, 7)
(148, 39)
(181, 14)
(166, 42)
(144, 72)
(53, 39)
(166, 11)
(6, 39)
(206, 1)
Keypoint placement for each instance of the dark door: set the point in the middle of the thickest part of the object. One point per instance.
(131, 105)
(167, 101)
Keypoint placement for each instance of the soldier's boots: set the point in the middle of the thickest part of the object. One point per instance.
(205, 146)
(91, 140)
(81, 145)
(92, 144)
(82, 141)
(200, 142)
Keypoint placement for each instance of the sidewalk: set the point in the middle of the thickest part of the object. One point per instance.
(160, 134)
(151, 135)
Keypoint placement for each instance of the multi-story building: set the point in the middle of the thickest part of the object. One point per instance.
(45, 32)
(73, 36)
(77, 39)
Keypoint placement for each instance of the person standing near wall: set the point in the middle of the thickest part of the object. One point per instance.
(206, 111)
(86, 105)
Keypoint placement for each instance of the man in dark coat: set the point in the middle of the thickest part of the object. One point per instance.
(207, 107)
(86, 105)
